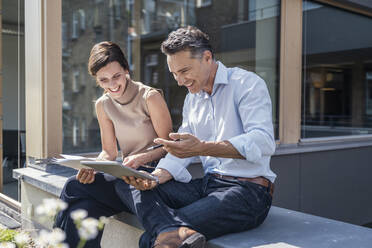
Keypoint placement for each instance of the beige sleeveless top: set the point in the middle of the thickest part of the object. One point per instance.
(133, 127)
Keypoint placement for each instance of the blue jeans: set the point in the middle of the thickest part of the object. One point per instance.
(98, 199)
(208, 205)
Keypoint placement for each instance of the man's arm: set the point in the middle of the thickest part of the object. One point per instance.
(257, 140)
(190, 146)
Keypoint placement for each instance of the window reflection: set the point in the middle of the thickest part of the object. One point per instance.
(337, 66)
(243, 33)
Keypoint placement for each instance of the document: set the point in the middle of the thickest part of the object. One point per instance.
(114, 168)
(72, 161)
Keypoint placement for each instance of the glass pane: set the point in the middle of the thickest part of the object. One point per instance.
(13, 96)
(243, 33)
(337, 70)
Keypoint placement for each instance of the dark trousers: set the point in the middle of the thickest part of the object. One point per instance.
(98, 199)
(211, 206)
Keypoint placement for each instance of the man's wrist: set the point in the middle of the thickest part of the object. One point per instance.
(162, 175)
(204, 148)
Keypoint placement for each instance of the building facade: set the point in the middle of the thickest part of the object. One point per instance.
(315, 57)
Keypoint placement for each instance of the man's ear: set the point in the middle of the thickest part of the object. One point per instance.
(207, 56)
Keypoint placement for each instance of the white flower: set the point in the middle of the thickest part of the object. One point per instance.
(57, 236)
(88, 229)
(103, 220)
(43, 238)
(51, 239)
(50, 207)
(40, 210)
(21, 238)
(7, 245)
(79, 214)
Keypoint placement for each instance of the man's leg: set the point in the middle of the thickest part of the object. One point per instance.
(98, 199)
(156, 209)
(228, 206)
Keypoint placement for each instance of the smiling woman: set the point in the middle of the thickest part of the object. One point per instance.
(128, 112)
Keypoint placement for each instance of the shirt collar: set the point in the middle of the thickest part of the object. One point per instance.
(220, 78)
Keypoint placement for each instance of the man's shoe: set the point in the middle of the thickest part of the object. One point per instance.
(182, 237)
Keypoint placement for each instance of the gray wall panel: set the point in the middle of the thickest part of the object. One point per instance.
(287, 191)
(333, 184)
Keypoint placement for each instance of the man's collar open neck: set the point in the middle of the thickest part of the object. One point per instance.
(212, 78)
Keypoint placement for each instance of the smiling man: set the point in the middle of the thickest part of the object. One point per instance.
(227, 124)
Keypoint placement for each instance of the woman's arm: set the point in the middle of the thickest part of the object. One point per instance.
(162, 123)
(108, 139)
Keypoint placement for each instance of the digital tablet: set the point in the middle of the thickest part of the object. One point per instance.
(116, 169)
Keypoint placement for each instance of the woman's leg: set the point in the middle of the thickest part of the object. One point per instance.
(98, 199)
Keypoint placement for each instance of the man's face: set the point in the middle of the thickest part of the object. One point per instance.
(193, 73)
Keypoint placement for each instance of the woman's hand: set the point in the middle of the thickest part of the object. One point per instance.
(135, 161)
(86, 176)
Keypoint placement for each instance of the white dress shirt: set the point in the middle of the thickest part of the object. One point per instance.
(239, 111)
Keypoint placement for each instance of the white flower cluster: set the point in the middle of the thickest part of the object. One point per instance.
(87, 227)
(22, 238)
(50, 207)
(7, 245)
(51, 239)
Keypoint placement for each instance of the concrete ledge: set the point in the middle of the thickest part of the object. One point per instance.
(282, 228)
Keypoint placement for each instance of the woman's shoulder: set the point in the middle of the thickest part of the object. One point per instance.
(147, 91)
(100, 101)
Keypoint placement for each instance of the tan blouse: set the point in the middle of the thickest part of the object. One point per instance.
(133, 127)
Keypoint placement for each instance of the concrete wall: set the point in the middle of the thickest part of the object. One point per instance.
(335, 184)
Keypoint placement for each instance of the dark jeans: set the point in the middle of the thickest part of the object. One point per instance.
(98, 199)
(211, 206)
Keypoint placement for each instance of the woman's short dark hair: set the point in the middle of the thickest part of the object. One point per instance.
(186, 39)
(104, 53)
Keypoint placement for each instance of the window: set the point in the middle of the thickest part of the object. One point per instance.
(75, 132)
(259, 10)
(203, 3)
(337, 65)
(83, 131)
(251, 43)
(117, 11)
(75, 81)
(75, 25)
(82, 19)
(64, 35)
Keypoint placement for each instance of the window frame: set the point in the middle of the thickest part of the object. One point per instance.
(43, 41)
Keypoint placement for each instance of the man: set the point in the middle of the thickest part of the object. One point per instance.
(227, 124)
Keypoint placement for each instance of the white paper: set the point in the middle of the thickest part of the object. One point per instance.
(72, 161)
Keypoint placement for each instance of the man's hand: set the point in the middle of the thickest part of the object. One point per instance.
(145, 184)
(86, 176)
(188, 146)
(135, 161)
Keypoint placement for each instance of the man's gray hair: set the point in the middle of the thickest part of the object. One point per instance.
(187, 39)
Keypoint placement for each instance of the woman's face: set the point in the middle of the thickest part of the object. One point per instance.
(113, 79)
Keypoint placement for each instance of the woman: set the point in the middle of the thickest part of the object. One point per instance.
(128, 112)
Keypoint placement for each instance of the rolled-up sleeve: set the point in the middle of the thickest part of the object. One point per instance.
(174, 165)
(254, 106)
